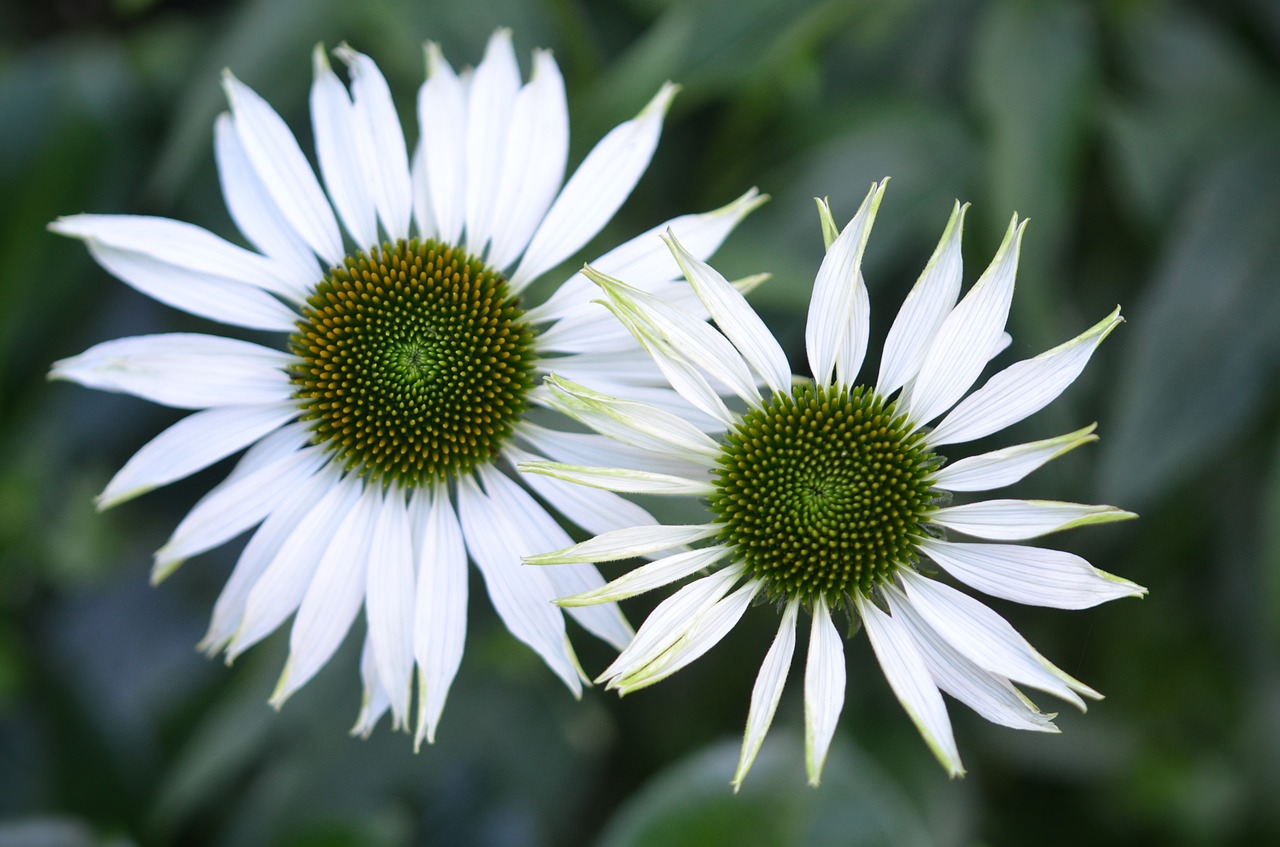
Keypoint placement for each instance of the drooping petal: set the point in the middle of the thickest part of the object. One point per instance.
(595, 191)
(1030, 575)
(442, 128)
(440, 622)
(924, 310)
(389, 602)
(342, 146)
(1022, 388)
(963, 344)
(910, 680)
(491, 99)
(183, 370)
(374, 700)
(1014, 520)
(1005, 467)
(767, 691)
(824, 678)
(839, 321)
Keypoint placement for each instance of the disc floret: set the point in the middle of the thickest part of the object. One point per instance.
(415, 362)
(823, 492)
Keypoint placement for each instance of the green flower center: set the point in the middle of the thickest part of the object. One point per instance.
(823, 492)
(416, 363)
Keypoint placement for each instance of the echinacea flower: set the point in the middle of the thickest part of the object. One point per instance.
(828, 495)
(380, 435)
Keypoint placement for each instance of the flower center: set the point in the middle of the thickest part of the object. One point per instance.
(823, 492)
(416, 362)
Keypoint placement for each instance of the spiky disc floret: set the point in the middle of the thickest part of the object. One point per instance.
(415, 362)
(823, 492)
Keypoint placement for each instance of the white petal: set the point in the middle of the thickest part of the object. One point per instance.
(1005, 467)
(389, 603)
(735, 318)
(621, 479)
(988, 640)
(522, 596)
(424, 217)
(190, 445)
(440, 623)
(333, 599)
(595, 191)
(924, 310)
(183, 370)
(341, 144)
(257, 215)
(537, 150)
(183, 246)
(963, 343)
(594, 510)
(287, 576)
(910, 680)
(627, 543)
(442, 128)
(989, 694)
(767, 691)
(284, 171)
(214, 297)
(258, 553)
(235, 506)
(387, 160)
(375, 701)
(1022, 388)
(588, 448)
(1030, 575)
(1014, 520)
(824, 677)
(839, 321)
(648, 577)
(490, 101)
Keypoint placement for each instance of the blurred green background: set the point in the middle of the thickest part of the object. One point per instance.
(1141, 137)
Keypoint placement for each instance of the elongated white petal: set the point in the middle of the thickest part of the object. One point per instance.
(283, 170)
(839, 321)
(333, 599)
(205, 295)
(595, 191)
(736, 319)
(284, 582)
(258, 553)
(537, 150)
(767, 691)
(963, 343)
(183, 370)
(424, 216)
(522, 596)
(383, 147)
(491, 99)
(648, 577)
(375, 701)
(442, 128)
(588, 448)
(671, 620)
(924, 310)
(341, 146)
(637, 424)
(190, 445)
(1005, 467)
(989, 694)
(910, 680)
(621, 479)
(824, 678)
(389, 602)
(257, 215)
(233, 507)
(440, 621)
(988, 640)
(1014, 520)
(1031, 575)
(594, 510)
(1022, 388)
(707, 631)
(627, 543)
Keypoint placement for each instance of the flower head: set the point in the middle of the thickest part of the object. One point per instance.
(381, 431)
(828, 495)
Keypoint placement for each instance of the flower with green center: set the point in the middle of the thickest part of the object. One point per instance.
(828, 496)
(382, 434)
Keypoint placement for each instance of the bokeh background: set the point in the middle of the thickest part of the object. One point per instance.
(1141, 137)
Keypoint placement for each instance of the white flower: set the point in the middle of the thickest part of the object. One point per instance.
(826, 495)
(379, 434)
